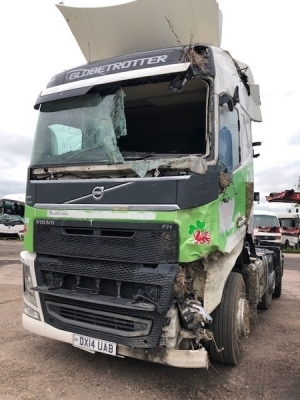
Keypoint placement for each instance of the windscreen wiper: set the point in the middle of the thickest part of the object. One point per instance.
(132, 156)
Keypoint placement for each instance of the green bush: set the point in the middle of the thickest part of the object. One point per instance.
(290, 250)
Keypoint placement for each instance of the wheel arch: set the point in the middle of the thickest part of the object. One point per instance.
(218, 267)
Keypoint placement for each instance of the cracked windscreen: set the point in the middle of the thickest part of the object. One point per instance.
(140, 123)
(80, 130)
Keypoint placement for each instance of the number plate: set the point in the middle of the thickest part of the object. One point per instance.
(94, 345)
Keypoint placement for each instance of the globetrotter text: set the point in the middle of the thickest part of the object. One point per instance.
(83, 72)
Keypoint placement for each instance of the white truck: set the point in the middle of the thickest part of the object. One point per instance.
(289, 221)
(140, 190)
(290, 229)
(266, 228)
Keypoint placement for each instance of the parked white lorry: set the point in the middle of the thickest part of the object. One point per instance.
(289, 221)
(290, 229)
(140, 189)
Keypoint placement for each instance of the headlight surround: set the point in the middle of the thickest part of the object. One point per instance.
(27, 280)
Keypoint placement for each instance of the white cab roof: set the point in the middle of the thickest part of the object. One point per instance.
(288, 215)
(263, 212)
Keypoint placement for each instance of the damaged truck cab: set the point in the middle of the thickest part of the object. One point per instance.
(139, 194)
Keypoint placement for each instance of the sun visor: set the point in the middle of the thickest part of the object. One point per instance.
(111, 28)
(60, 94)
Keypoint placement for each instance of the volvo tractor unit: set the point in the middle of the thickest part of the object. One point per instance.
(140, 190)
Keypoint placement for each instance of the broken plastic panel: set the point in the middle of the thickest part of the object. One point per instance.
(194, 314)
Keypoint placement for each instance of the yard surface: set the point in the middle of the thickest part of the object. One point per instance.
(34, 367)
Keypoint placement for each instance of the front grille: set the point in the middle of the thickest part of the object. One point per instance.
(270, 238)
(144, 243)
(99, 320)
(145, 341)
(129, 277)
(106, 312)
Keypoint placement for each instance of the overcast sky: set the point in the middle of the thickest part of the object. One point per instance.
(36, 43)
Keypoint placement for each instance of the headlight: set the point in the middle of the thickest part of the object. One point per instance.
(27, 280)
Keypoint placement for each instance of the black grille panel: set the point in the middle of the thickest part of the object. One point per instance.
(82, 314)
(146, 341)
(101, 321)
(144, 243)
(163, 276)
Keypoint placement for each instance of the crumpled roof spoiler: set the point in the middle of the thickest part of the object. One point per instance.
(111, 28)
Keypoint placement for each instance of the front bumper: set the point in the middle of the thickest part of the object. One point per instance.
(170, 357)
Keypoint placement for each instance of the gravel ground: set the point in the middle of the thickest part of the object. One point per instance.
(34, 367)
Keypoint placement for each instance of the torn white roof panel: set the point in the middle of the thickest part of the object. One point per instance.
(110, 28)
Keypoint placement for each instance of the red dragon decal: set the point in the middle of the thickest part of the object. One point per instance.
(201, 235)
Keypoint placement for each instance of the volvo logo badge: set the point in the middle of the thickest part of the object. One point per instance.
(98, 192)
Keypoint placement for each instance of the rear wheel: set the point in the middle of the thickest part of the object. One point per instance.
(279, 275)
(231, 321)
(266, 300)
(277, 291)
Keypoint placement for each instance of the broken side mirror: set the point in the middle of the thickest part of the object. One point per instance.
(236, 96)
(256, 144)
(225, 98)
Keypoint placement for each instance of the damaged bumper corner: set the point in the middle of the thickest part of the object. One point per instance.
(171, 357)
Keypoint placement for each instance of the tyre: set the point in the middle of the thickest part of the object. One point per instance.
(266, 300)
(277, 291)
(231, 321)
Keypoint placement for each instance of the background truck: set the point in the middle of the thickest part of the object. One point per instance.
(290, 229)
(140, 190)
(289, 221)
(266, 228)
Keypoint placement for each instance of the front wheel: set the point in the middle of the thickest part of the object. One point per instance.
(231, 321)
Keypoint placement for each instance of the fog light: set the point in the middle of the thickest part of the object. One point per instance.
(27, 282)
(31, 312)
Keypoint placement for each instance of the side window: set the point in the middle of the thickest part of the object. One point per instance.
(229, 139)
